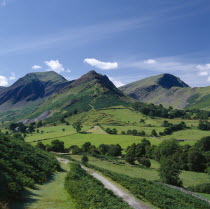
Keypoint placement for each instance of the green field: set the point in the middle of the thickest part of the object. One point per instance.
(50, 195)
(97, 139)
(189, 178)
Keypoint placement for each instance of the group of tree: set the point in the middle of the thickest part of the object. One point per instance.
(159, 111)
(111, 131)
(22, 165)
(204, 125)
(55, 146)
(23, 128)
(173, 157)
(137, 152)
(134, 132)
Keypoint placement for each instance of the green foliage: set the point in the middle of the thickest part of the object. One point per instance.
(77, 126)
(201, 188)
(169, 172)
(160, 111)
(157, 194)
(84, 159)
(21, 165)
(144, 161)
(204, 125)
(203, 144)
(89, 192)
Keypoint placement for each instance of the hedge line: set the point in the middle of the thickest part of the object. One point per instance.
(89, 192)
(157, 194)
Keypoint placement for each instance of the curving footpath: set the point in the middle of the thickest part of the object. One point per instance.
(126, 196)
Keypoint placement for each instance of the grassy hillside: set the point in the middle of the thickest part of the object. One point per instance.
(48, 195)
(21, 166)
(169, 92)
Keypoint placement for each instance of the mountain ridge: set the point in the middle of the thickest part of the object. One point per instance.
(168, 90)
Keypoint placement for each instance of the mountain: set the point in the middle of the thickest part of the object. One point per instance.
(32, 87)
(91, 91)
(37, 96)
(168, 90)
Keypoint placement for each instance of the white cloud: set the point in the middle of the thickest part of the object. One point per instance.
(208, 79)
(204, 73)
(68, 71)
(3, 3)
(36, 67)
(203, 67)
(117, 83)
(3, 81)
(101, 65)
(12, 77)
(150, 61)
(54, 65)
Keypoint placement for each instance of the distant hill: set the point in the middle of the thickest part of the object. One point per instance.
(32, 87)
(41, 95)
(168, 90)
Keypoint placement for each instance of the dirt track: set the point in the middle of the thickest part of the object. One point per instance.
(128, 198)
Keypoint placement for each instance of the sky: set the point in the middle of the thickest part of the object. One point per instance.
(127, 40)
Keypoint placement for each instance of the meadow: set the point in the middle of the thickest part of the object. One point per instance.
(49, 195)
(189, 178)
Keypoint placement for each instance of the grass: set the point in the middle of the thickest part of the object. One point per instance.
(207, 196)
(189, 178)
(97, 139)
(53, 132)
(50, 195)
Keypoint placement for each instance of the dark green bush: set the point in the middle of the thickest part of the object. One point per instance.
(89, 192)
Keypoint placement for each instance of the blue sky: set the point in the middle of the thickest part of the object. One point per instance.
(127, 40)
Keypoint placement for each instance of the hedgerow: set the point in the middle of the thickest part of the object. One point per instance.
(158, 194)
(89, 192)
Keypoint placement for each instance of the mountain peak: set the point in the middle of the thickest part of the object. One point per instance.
(91, 76)
(48, 76)
(168, 81)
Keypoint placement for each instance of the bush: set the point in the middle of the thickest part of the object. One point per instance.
(144, 161)
(159, 195)
(84, 159)
(201, 188)
(89, 192)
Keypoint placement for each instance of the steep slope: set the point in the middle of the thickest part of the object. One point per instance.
(91, 91)
(30, 88)
(168, 90)
(38, 96)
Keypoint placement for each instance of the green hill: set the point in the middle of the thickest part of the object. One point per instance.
(38, 96)
(22, 165)
(168, 90)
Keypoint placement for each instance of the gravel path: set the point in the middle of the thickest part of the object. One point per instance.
(133, 202)
(128, 198)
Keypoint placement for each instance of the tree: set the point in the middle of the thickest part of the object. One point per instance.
(86, 147)
(57, 146)
(103, 148)
(196, 161)
(204, 125)
(18, 136)
(114, 150)
(169, 172)
(39, 124)
(84, 159)
(203, 144)
(130, 154)
(77, 126)
(144, 161)
(41, 146)
(154, 133)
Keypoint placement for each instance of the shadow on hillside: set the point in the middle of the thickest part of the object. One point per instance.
(29, 197)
